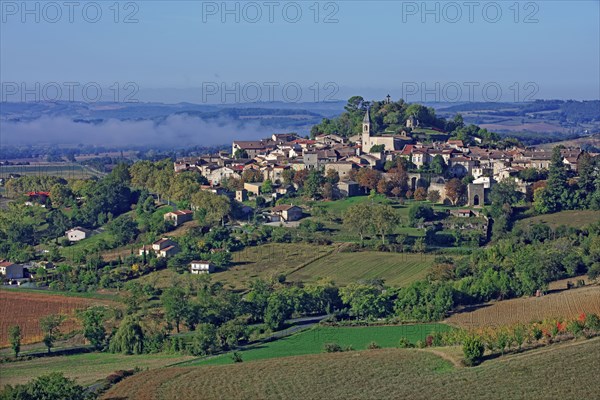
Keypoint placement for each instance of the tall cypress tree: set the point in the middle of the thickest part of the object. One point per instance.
(556, 193)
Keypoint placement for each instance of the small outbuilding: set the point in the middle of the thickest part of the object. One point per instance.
(78, 233)
(201, 267)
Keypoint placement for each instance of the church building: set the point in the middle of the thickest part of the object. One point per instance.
(391, 142)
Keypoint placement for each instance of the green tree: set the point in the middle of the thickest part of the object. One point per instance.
(175, 303)
(231, 333)
(384, 219)
(14, 337)
(129, 338)
(365, 301)
(50, 325)
(258, 298)
(313, 184)
(438, 165)
(124, 229)
(555, 195)
(205, 340)
(279, 308)
(92, 320)
(473, 348)
(53, 386)
(358, 219)
(267, 186)
(424, 301)
(61, 195)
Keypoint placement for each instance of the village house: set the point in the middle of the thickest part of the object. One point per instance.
(215, 174)
(201, 267)
(287, 212)
(162, 248)
(253, 187)
(78, 233)
(11, 271)
(343, 168)
(179, 217)
(251, 148)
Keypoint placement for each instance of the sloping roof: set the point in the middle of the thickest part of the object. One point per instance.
(79, 228)
(183, 212)
(254, 144)
(284, 207)
(6, 263)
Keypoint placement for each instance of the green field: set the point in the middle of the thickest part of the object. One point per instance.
(63, 170)
(573, 218)
(312, 341)
(396, 269)
(267, 261)
(563, 371)
(86, 368)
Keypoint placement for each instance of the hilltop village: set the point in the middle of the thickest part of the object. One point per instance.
(427, 164)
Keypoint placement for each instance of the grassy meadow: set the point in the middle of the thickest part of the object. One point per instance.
(396, 269)
(572, 218)
(311, 341)
(85, 368)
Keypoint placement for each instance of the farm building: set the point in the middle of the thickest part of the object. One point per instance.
(10, 270)
(179, 217)
(162, 248)
(78, 233)
(201, 267)
(287, 212)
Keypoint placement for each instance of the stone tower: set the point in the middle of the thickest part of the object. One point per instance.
(366, 132)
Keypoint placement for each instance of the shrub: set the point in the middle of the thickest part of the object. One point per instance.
(592, 322)
(237, 357)
(373, 346)
(575, 328)
(118, 376)
(473, 350)
(332, 348)
(420, 344)
(429, 341)
(536, 332)
(404, 343)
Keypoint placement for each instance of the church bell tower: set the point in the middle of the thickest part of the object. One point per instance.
(366, 132)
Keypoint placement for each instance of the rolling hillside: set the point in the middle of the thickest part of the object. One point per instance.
(562, 371)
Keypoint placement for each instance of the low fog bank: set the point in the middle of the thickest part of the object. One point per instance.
(174, 131)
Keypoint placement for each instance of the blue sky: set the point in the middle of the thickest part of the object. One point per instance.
(550, 49)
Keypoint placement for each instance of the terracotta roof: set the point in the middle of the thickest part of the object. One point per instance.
(183, 212)
(283, 207)
(5, 264)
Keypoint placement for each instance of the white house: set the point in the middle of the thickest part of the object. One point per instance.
(201, 267)
(164, 247)
(78, 233)
(10, 270)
